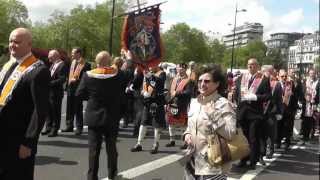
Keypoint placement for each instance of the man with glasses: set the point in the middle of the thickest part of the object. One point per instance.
(292, 93)
(251, 93)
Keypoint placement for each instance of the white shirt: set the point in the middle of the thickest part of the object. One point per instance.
(20, 60)
(56, 64)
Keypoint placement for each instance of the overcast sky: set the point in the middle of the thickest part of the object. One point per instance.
(212, 15)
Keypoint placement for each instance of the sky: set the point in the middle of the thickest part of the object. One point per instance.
(215, 17)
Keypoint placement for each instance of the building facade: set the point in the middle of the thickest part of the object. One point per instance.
(243, 35)
(304, 53)
(282, 41)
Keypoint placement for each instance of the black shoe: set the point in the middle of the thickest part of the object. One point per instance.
(78, 132)
(261, 161)
(269, 156)
(171, 144)
(53, 134)
(252, 166)
(184, 146)
(45, 132)
(241, 164)
(286, 148)
(136, 148)
(67, 130)
(154, 149)
(112, 175)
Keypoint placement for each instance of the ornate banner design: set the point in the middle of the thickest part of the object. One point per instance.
(141, 36)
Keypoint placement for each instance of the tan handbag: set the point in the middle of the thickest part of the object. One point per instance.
(221, 150)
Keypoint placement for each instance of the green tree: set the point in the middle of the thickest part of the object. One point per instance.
(216, 52)
(256, 49)
(86, 27)
(13, 14)
(275, 58)
(183, 44)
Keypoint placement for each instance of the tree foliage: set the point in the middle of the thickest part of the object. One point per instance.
(13, 14)
(86, 27)
(183, 44)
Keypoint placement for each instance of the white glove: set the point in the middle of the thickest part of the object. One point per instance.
(129, 89)
(278, 117)
(249, 97)
(146, 94)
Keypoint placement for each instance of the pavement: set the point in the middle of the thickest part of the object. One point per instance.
(65, 157)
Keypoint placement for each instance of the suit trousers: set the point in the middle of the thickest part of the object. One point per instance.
(54, 120)
(268, 135)
(252, 131)
(14, 167)
(285, 127)
(74, 108)
(95, 136)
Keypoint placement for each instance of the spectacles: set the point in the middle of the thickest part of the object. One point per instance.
(283, 76)
(205, 81)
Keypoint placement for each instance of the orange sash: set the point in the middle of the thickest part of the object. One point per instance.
(178, 88)
(26, 66)
(254, 86)
(103, 72)
(75, 70)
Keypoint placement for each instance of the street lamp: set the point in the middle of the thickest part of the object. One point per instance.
(234, 34)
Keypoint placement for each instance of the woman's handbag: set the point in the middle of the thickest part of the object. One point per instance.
(221, 150)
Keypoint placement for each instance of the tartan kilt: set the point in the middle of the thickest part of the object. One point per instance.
(180, 119)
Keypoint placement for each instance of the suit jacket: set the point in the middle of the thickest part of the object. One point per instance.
(57, 80)
(105, 100)
(298, 95)
(73, 86)
(23, 117)
(252, 110)
(276, 105)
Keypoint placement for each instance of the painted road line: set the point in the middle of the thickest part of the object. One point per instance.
(148, 167)
(251, 174)
(151, 166)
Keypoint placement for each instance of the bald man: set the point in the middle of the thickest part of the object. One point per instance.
(105, 92)
(24, 86)
(251, 93)
(58, 72)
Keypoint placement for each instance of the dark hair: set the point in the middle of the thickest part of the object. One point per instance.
(79, 50)
(217, 75)
(183, 65)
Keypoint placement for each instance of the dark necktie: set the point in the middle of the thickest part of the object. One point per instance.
(7, 75)
(250, 81)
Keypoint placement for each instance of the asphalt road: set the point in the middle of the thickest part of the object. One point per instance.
(65, 158)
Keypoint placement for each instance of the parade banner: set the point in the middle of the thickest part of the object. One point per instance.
(141, 35)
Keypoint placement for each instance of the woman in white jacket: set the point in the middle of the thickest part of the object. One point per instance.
(209, 111)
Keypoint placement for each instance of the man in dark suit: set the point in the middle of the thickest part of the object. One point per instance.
(24, 87)
(292, 93)
(74, 106)
(252, 91)
(58, 73)
(105, 93)
(273, 111)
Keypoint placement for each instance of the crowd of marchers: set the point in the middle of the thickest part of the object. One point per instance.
(199, 99)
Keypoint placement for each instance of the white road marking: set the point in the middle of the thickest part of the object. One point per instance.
(148, 167)
(156, 164)
(251, 174)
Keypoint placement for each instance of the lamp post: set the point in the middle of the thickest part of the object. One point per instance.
(234, 34)
(111, 28)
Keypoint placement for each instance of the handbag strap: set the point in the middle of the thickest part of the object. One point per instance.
(224, 149)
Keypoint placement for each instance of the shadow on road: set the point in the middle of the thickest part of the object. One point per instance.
(296, 162)
(63, 144)
(84, 136)
(43, 160)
